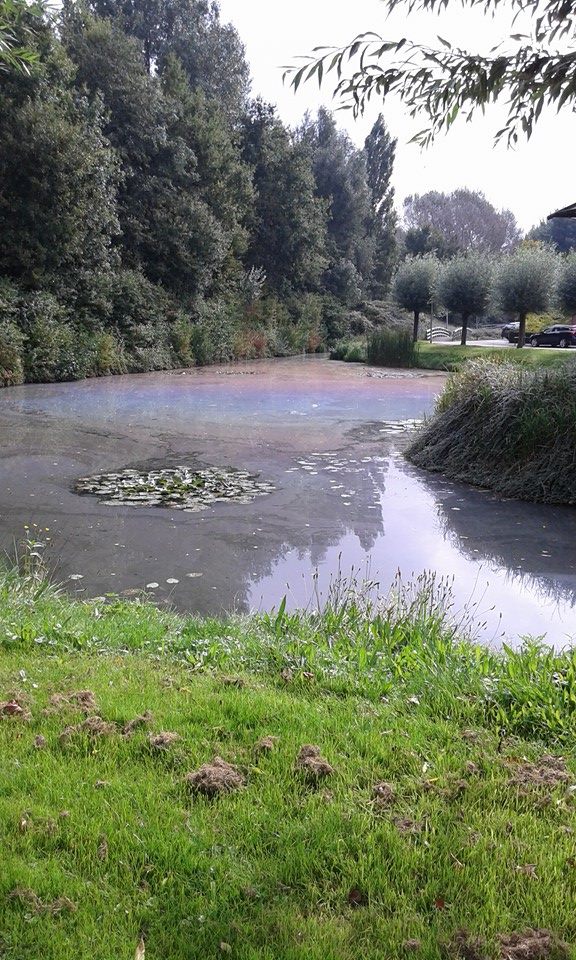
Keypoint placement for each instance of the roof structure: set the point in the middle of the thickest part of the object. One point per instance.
(566, 212)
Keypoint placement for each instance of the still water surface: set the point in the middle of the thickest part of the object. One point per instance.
(329, 436)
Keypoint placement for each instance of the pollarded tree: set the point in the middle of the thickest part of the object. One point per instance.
(566, 288)
(524, 283)
(413, 286)
(463, 287)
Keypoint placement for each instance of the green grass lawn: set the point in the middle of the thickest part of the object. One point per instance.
(435, 356)
(470, 834)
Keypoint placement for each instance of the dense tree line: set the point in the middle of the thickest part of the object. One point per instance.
(152, 214)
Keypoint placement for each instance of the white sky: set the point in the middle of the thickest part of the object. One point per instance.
(532, 180)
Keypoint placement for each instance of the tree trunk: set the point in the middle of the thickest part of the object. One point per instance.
(416, 323)
(522, 330)
(464, 330)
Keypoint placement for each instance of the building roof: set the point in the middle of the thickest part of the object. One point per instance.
(565, 212)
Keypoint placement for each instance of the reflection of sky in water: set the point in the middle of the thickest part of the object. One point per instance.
(413, 536)
(206, 397)
(327, 436)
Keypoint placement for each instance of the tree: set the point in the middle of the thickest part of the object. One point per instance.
(442, 82)
(18, 25)
(169, 230)
(566, 287)
(524, 283)
(419, 241)
(288, 222)
(59, 176)
(463, 287)
(379, 154)
(341, 182)
(559, 232)
(413, 286)
(462, 221)
(211, 52)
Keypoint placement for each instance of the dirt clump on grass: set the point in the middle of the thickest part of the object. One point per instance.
(549, 771)
(406, 825)
(312, 764)
(464, 946)
(142, 720)
(533, 945)
(164, 740)
(81, 699)
(213, 779)
(93, 726)
(28, 898)
(265, 745)
(14, 708)
(383, 793)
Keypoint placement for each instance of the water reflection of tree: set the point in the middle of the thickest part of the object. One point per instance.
(514, 535)
(330, 521)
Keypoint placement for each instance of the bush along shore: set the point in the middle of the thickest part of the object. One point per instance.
(283, 786)
(508, 428)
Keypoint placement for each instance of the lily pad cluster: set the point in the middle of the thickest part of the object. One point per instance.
(179, 488)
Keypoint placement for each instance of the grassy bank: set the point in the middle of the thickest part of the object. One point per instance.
(508, 428)
(434, 356)
(437, 822)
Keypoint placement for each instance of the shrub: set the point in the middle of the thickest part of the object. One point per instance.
(392, 348)
(149, 348)
(351, 351)
(135, 301)
(181, 339)
(11, 348)
(109, 355)
(213, 335)
(506, 427)
(54, 349)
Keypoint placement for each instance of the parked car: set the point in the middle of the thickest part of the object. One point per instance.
(511, 333)
(559, 335)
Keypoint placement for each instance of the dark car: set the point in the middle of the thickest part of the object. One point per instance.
(560, 335)
(511, 333)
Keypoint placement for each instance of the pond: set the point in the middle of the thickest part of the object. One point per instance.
(321, 442)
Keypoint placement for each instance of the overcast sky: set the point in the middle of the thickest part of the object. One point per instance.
(532, 180)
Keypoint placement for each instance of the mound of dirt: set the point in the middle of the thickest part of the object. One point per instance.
(213, 779)
(533, 945)
(549, 771)
(163, 740)
(312, 764)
